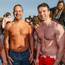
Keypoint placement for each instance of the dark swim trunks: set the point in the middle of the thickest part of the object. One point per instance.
(21, 58)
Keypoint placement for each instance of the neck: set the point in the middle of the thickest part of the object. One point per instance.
(17, 20)
(48, 21)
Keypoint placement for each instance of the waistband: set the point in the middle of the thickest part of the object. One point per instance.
(20, 52)
(45, 56)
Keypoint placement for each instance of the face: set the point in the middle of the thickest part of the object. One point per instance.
(18, 12)
(60, 6)
(43, 13)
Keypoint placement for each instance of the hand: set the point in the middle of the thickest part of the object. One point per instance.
(37, 62)
(31, 58)
(10, 60)
(4, 63)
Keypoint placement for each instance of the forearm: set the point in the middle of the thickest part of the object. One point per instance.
(31, 44)
(59, 56)
(31, 48)
(38, 51)
(6, 46)
(6, 50)
(7, 55)
(3, 55)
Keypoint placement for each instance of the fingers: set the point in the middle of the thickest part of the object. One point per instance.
(11, 59)
(31, 59)
(10, 63)
(4, 64)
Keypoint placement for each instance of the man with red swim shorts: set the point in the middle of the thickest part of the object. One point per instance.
(51, 36)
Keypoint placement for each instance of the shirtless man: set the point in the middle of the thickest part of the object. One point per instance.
(51, 36)
(19, 49)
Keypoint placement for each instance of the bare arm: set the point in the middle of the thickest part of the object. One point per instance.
(6, 43)
(38, 50)
(37, 43)
(4, 58)
(6, 38)
(31, 43)
(60, 43)
(3, 54)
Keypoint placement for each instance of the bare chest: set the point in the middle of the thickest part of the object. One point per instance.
(47, 32)
(18, 30)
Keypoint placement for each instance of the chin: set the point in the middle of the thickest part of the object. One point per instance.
(17, 17)
(42, 19)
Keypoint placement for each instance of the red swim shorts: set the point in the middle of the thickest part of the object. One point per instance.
(46, 60)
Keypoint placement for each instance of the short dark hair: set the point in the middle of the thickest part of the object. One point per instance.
(16, 6)
(43, 5)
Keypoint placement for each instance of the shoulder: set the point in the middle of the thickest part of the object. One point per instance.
(29, 27)
(8, 25)
(60, 29)
(26, 24)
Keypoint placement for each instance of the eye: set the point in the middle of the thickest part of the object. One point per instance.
(39, 12)
(44, 11)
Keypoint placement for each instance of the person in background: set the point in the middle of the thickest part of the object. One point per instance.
(6, 18)
(58, 12)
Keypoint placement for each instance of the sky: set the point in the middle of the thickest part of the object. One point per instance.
(29, 6)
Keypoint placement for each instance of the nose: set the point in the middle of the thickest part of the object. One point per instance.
(17, 13)
(42, 13)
